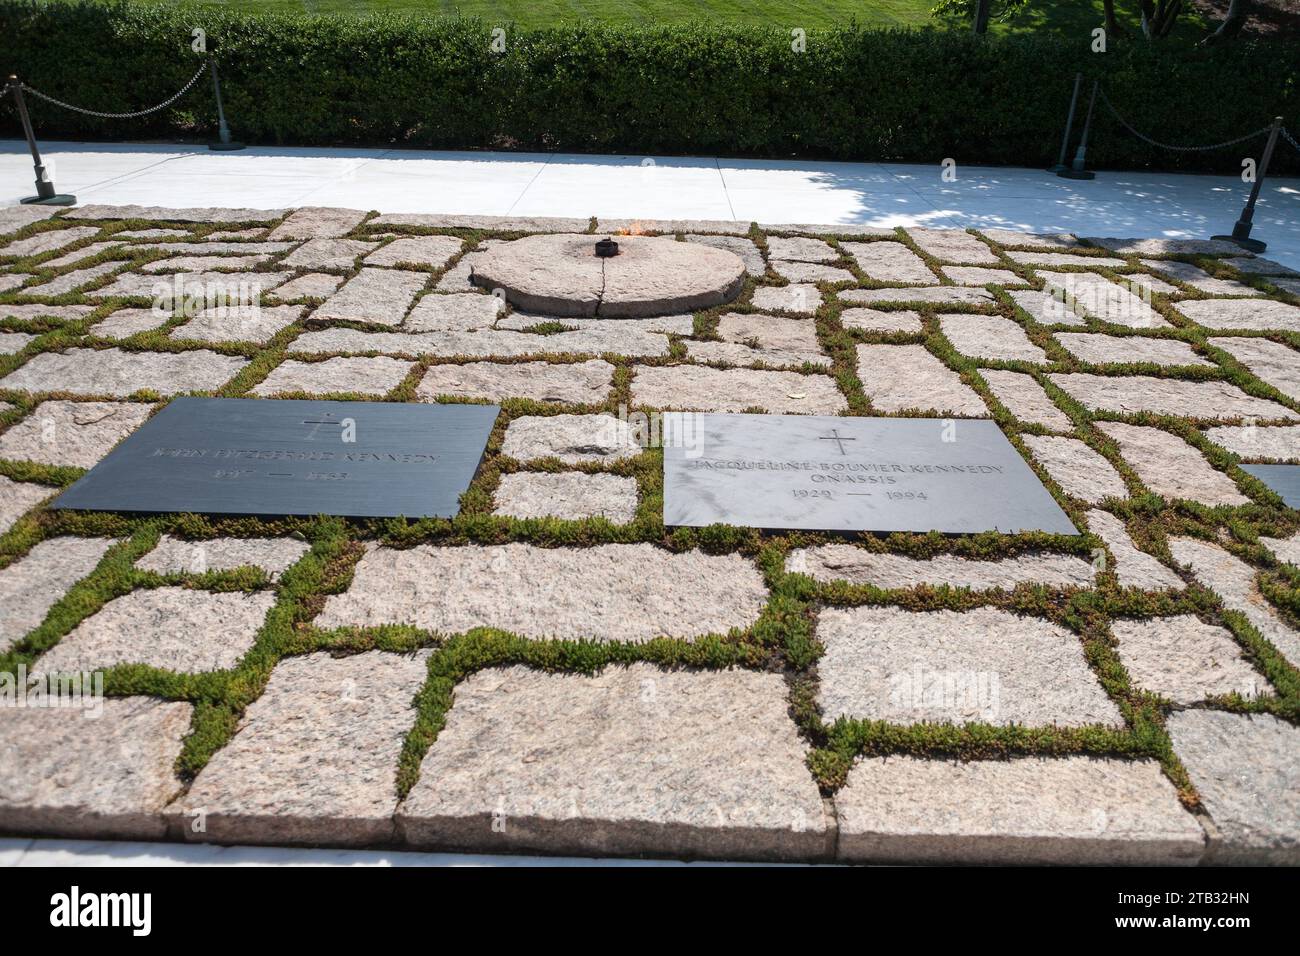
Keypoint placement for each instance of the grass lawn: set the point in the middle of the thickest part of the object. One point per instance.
(1071, 16)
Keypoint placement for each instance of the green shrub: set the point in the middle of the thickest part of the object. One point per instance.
(855, 94)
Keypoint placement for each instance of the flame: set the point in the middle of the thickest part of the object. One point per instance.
(635, 229)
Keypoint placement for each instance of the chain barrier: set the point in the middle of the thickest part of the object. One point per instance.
(1286, 134)
(1181, 149)
(137, 113)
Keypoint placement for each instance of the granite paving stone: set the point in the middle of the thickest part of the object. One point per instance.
(318, 222)
(573, 439)
(38, 580)
(889, 262)
(668, 324)
(1184, 659)
(72, 281)
(577, 383)
(1166, 396)
(11, 343)
(1171, 467)
(366, 376)
(1081, 472)
(612, 337)
(71, 775)
(177, 555)
(1246, 769)
(1198, 278)
(15, 217)
(898, 377)
(985, 665)
(1041, 240)
(1259, 266)
(1025, 398)
(1045, 307)
(118, 373)
(952, 245)
(313, 285)
(800, 249)
(614, 592)
(124, 323)
(201, 214)
(314, 759)
(1038, 258)
(1233, 580)
(735, 390)
(754, 337)
(935, 295)
(1022, 811)
(48, 241)
(207, 288)
(810, 272)
(978, 275)
(1099, 349)
(796, 298)
(72, 433)
(876, 320)
(1271, 362)
(1133, 567)
(990, 337)
(17, 498)
(378, 296)
(242, 323)
(1105, 300)
(77, 255)
(459, 311)
(429, 251)
(1166, 247)
(201, 264)
(1256, 315)
(631, 760)
(844, 562)
(570, 496)
(1286, 549)
(328, 254)
(171, 628)
(1139, 284)
(12, 280)
(1258, 442)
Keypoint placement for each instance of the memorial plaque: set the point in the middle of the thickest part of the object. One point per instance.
(269, 457)
(818, 473)
(1283, 479)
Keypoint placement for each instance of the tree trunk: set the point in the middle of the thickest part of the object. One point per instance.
(982, 16)
(1111, 23)
(1230, 28)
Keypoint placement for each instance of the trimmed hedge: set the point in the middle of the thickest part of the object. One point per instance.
(878, 95)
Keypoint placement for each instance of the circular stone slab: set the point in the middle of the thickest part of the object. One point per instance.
(561, 275)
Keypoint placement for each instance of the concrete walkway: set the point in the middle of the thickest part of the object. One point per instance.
(765, 191)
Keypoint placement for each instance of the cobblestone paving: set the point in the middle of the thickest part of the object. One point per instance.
(555, 671)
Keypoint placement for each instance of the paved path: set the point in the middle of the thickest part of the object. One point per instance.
(765, 191)
(554, 670)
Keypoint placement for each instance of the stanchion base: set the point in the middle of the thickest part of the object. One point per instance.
(1058, 169)
(1250, 245)
(1077, 174)
(58, 199)
(225, 147)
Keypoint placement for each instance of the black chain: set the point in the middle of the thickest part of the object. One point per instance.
(145, 112)
(1290, 139)
(1182, 149)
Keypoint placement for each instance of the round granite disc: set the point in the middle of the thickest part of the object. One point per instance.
(561, 275)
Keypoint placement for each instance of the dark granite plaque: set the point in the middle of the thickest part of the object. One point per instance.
(1283, 479)
(817, 473)
(269, 457)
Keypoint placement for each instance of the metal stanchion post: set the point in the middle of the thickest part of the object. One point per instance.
(224, 142)
(1241, 231)
(1069, 124)
(45, 193)
(1077, 171)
